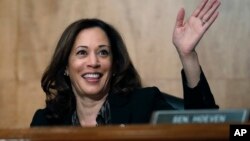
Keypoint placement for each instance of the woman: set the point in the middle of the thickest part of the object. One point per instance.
(91, 80)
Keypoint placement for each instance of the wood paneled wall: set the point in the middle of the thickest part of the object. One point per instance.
(30, 29)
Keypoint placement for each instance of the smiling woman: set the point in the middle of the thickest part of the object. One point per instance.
(91, 79)
(89, 62)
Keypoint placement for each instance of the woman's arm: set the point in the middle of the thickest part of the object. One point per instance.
(187, 35)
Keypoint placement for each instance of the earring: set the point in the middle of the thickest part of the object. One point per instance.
(66, 73)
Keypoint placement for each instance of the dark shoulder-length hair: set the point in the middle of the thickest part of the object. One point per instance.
(59, 95)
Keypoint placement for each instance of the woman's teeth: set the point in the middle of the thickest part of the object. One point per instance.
(91, 75)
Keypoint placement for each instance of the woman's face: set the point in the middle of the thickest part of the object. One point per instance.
(90, 62)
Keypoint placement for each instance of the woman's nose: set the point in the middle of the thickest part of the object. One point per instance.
(93, 61)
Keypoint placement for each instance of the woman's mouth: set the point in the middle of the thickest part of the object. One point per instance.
(92, 77)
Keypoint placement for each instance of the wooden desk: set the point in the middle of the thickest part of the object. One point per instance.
(118, 133)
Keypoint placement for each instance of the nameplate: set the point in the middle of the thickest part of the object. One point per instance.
(200, 116)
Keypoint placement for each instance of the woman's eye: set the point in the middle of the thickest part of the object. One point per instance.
(81, 52)
(104, 53)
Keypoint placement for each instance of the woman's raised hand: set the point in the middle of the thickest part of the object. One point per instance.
(188, 33)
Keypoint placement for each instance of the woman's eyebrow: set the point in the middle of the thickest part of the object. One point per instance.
(81, 46)
(86, 47)
(104, 46)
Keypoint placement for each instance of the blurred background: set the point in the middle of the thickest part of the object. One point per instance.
(30, 29)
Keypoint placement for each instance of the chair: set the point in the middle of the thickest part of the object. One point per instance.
(175, 102)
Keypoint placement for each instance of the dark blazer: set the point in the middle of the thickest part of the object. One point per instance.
(138, 106)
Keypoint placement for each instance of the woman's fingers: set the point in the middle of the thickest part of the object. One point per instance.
(211, 20)
(209, 5)
(199, 8)
(211, 11)
(180, 18)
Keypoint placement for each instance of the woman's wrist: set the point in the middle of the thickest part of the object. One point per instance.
(191, 68)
